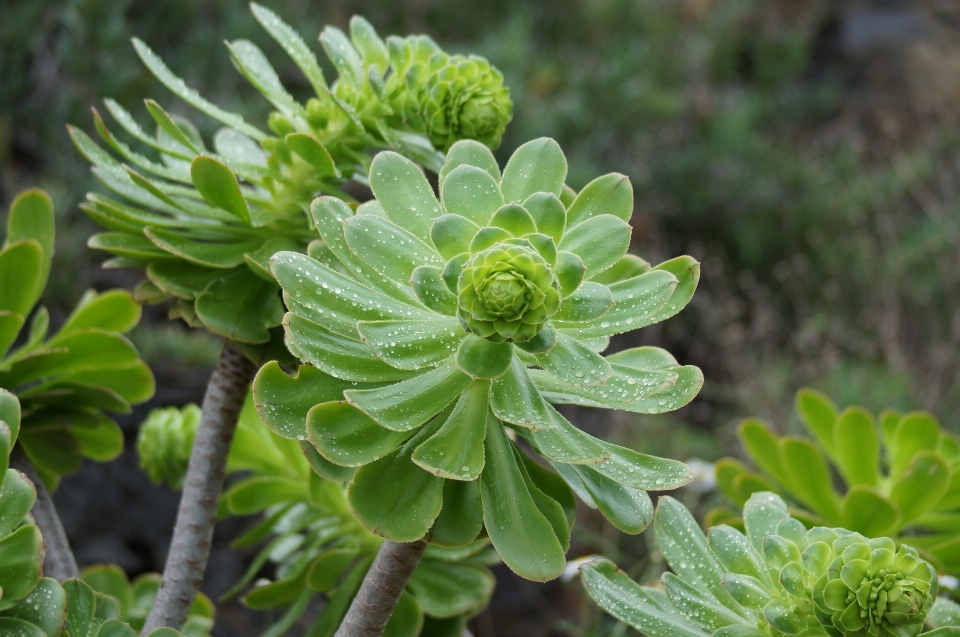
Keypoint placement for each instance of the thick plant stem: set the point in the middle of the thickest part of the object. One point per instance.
(193, 533)
(381, 589)
(59, 562)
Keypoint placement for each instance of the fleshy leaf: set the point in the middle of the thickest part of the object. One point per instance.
(537, 166)
(456, 450)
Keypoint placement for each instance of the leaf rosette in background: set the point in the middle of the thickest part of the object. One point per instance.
(900, 474)
(423, 392)
(777, 579)
(64, 381)
(203, 222)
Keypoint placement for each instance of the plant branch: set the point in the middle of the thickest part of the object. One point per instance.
(381, 589)
(58, 562)
(193, 533)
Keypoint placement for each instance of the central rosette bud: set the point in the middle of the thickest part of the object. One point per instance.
(507, 293)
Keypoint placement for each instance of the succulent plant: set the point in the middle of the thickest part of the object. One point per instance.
(203, 222)
(901, 473)
(64, 381)
(164, 442)
(777, 579)
(320, 551)
(435, 332)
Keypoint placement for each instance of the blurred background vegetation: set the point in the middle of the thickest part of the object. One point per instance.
(805, 150)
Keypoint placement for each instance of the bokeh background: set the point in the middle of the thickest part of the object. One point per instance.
(806, 151)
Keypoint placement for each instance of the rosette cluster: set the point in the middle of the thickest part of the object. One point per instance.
(779, 578)
(165, 441)
(437, 332)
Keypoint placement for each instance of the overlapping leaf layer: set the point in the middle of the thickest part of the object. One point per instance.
(420, 376)
(777, 579)
(64, 381)
(901, 473)
(203, 222)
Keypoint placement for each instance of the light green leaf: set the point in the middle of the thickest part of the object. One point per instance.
(866, 511)
(687, 271)
(19, 628)
(640, 471)
(412, 344)
(407, 618)
(638, 302)
(293, 44)
(403, 190)
(447, 590)
(102, 442)
(344, 57)
(21, 274)
(482, 359)
(565, 443)
(456, 450)
(761, 445)
(472, 193)
(521, 534)
(116, 628)
(85, 350)
(701, 608)
(600, 241)
(515, 398)
(112, 310)
(573, 362)
(589, 302)
(918, 489)
(737, 555)
(10, 325)
(945, 612)
(629, 266)
(325, 571)
(388, 248)
(537, 166)
(410, 403)
(335, 355)
(219, 186)
(211, 254)
(857, 447)
(819, 415)
(133, 383)
(31, 217)
(17, 495)
(686, 550)
(432, 291)
(241, 307)
(471, 153)
(452, 234)
(643, 608)
(312, 152)
(132, 246)
(808, 477)
(395, 498)
(762, 514)
(515, 220)
(45, 608)
(611, 194)
(261, 492)
(461, 518)
(548, 213)
(916, 432)
(628, 509)
(346, 436)
(190, 96)
(253, 64)
(10, 412)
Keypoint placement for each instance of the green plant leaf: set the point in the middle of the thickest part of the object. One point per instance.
(389, 248)
(461, 517)
(179, 88)
(293, 44)
(819, 415)
(472, 193)
(471, 153)
(31, 217)
(588, 303)
(565, 443)
(346, 436)
(241, 307)
(326, 570)
(808, 477)
(403, 190)
(762, 514)
(18, 496)
(916, 432)
(58, 452)
(447, 590)
(687, 271)
(21, 275)
(735, 552)
(112, 310)
(626, 388)
(701, 608)
(89, 349)
(312, 152)
(857, 447)
(19, 628)
(514, 219)
(395, 498)
(866, 511)
(408, 404)
(414, 344)
(600, 241)
(214, 255)
(253, 64)
(611, 194)
(575, 363)
(456, 450)
(521, 534)
(432, 291)
(548, 213)
(345, 58)
(515, 398)
(918, 489)
(44, 608)
(407, 618)
(646, 609)
(219, 186)
(88, 610)
(760, 443)
(686, 550)
(482, 359)
(261, 492)
(637, 303)
(537, 166)
(182, 278)
(452, 234)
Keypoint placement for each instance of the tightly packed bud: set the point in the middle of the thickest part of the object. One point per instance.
(465, 99)
(165, 441)
(870, 589)
(507, 293)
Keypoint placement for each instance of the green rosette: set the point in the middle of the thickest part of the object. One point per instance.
(437, 335)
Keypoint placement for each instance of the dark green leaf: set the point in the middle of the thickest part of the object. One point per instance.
(461, 517)
(483, 359)
(346, 436)
(456, 450)
(241, 307)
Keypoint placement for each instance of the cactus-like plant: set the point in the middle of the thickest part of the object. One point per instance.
(438, 331)
(777, 579)
(901, 474)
